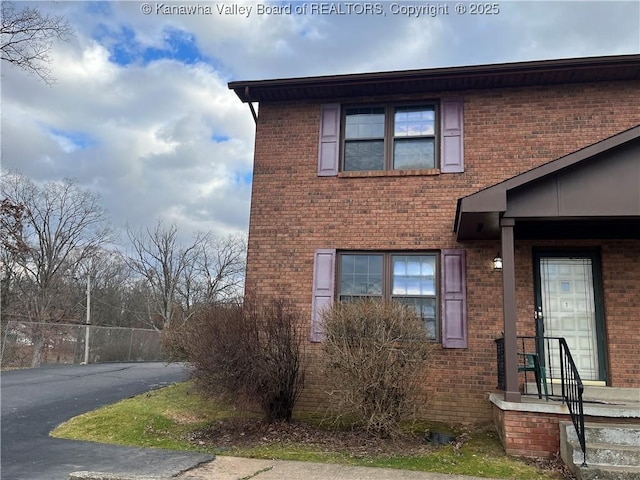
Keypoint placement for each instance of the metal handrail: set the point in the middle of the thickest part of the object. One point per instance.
(572, 391)
(571, 383)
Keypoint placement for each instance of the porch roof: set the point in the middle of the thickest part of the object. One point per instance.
(591, 193)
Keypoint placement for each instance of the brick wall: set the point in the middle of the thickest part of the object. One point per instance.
(509, 131)
(621, 285)
(529, 434)
(535, 434)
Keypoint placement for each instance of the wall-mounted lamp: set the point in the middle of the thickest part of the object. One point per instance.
(497, 262)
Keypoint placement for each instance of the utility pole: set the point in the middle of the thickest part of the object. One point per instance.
(88, 320)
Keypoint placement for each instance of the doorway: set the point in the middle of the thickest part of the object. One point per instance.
(569, 304)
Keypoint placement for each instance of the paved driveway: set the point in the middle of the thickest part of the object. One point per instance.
(35, 401)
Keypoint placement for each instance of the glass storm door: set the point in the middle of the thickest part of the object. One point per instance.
(570, 302)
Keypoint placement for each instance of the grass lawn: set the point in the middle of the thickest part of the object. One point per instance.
(177, 417)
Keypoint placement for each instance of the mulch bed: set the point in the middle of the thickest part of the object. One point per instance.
(250, 433)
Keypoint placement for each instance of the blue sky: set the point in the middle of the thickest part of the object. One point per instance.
(141, 112)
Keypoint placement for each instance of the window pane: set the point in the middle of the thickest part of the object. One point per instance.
(414, 121)
(413, 285)
(425, 308)
(414, 275)
(428, 265)
(364, 123)
(413, 266)
(361, 264)
(348, 263)
(361, 275)
(364, 155)
(414, 154)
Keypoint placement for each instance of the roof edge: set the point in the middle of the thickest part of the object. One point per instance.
(493, 198)
(570, 159)
(243, 88)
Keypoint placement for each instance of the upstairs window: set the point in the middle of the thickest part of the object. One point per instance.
(364, 139)
(414, 138)
(389, 138)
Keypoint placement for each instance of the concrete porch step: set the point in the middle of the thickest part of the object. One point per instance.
(612, 434)
(608, 454)
(613, 451)
(607, 472)
(611, 394)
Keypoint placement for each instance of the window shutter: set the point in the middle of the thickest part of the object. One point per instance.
(452, 152)
(324, 261)
(328, 149)
(454, 299)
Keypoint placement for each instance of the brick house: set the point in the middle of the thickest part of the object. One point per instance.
(408, 185)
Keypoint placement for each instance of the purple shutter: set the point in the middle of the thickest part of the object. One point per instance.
(324, 261)
(452, 151)
(328, 149)
(454, 299)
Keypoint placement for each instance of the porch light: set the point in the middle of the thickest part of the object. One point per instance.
(497, 262)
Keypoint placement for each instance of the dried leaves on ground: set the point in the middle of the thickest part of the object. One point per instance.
(252, 433)
(243, 433)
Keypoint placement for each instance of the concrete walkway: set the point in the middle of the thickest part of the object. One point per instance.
(233, 468)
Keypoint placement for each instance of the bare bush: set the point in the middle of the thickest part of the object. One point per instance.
(374, 353)
(246, 352)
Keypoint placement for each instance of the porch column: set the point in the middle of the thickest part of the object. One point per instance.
(512, 391)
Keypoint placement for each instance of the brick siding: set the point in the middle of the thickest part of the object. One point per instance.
(534, 434)
(506, 132)
(529, 434)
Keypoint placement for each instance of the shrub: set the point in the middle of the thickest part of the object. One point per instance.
(250, 352)
(375, 351)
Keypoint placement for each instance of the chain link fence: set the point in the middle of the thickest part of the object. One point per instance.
(65, 343)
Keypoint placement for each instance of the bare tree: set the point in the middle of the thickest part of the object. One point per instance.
(109, 277)
(183, 278)
(217, 273)
(27, 36)
(11, 244)
(63, 225)
(110, 284)
(160, 258)
(223, 266)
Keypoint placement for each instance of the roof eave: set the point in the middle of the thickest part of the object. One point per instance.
(512, 74)
(492, 201)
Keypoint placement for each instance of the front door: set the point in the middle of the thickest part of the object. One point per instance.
(569, 302)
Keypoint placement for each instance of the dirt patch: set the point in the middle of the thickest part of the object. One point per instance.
(250, 433)
(554, 464)
(182, 418)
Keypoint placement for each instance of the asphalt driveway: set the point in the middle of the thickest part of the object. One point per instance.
(34, 401)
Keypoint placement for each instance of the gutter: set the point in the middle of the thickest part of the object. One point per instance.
(253, 110)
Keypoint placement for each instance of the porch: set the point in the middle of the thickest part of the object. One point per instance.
(553, 392)
(531, 427)
(543, 217)
(593, 193)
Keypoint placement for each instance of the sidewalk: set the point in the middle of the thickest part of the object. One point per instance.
(232, 468)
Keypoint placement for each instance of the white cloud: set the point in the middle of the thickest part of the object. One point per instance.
(141, 111)
(151, 132)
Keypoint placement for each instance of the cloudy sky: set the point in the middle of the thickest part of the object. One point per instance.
(142, 114)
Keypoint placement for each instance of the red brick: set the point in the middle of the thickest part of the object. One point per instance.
(506, 132)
